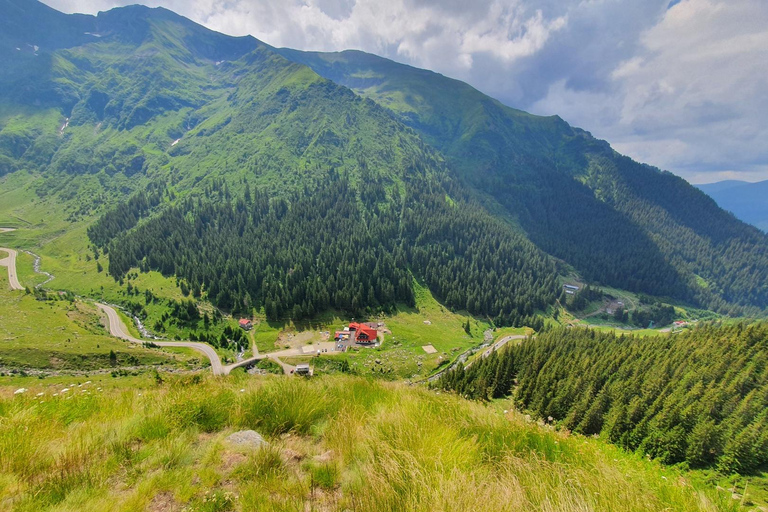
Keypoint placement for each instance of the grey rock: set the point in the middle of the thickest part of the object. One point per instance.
(247, 438)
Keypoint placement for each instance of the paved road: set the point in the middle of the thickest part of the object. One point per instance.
(503, 341)
(287, 368)
(10, 262)
(117, 328)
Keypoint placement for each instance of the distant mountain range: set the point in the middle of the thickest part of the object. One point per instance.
(160, 127)
(747, 201)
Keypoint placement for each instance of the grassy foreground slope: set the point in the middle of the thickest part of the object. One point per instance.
(334, 444)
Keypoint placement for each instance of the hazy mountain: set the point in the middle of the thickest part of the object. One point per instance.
(440, 180)
(747, 201)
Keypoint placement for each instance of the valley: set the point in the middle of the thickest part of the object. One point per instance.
(235, 277)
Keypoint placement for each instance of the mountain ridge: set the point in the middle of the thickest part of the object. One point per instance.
(746, 200)
(514, 168)
(150, 102)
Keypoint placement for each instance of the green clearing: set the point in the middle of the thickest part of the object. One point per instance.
(401, 354)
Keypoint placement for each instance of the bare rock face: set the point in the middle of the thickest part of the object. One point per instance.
(247, 438)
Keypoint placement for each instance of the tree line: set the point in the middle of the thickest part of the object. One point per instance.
(700, 397)
(350, 248)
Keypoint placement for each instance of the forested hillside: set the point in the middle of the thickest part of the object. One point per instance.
(339, 247)
(618, 222)
(699, 397)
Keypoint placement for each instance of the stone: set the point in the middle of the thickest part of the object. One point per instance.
(247, 438)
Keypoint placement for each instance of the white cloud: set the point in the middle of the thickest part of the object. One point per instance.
(683, 88)
(694, 99)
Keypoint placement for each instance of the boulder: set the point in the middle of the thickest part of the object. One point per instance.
(247, 438)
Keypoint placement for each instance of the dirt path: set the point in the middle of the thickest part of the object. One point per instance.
(287, 368)
(10, 262)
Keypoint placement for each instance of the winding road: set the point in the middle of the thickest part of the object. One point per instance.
(118, 329)
(503, 341)
(10, 262)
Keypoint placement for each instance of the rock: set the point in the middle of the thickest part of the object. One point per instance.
(247, 438)
(20, 391)
(324, 457)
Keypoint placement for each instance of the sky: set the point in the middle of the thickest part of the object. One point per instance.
(680, 84)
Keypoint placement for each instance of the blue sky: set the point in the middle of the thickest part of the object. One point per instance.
(682, 85)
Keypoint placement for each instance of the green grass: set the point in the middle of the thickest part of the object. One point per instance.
(265, 336)
(401, 355)
(58, 335)
(335, 443)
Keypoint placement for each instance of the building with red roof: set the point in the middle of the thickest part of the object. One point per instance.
(363, 333)
(245, 324)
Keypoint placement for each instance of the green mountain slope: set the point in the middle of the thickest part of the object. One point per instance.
(332, 443)
(98, 111)
(617, 221)
(698, 397)
(181, 116)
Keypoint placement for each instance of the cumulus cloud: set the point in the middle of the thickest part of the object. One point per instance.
(692, 99)
(679, 84)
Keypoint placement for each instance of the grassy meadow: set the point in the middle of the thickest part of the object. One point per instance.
(59, 335)
(334, 443)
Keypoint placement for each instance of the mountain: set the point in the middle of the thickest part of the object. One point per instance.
(297, 182)
(258, 152)
(616, 221)
(747, 201)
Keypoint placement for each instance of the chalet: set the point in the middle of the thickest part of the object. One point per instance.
(245, 324)
(570, 287)
(363, 333)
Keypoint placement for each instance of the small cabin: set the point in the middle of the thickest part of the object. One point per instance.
(245, 324)
(302, 369)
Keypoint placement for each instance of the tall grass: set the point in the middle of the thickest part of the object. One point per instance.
(335, 443)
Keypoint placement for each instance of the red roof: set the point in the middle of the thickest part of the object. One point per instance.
(244, 321)
(369, 333)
